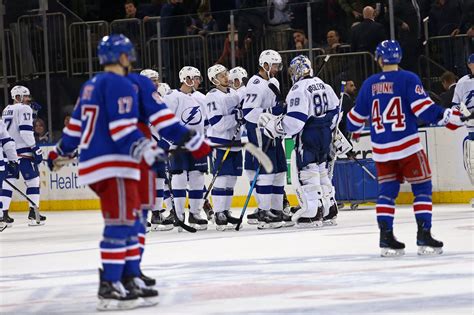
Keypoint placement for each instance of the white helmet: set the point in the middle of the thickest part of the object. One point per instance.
(237, 73)
(213, 71)
(163, 89)
(269, 57)
(189, 72)
(150, 74)
(19, 90)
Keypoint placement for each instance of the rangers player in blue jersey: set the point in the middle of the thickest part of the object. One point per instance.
(393, 101)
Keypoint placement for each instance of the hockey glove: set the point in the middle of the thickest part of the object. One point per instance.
(37, 154)
(272, 125)
(451, 119)
(13, 170)
(197, 145)
(341, 144)
(238, 114)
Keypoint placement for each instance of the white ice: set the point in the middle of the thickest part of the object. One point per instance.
(334, 270)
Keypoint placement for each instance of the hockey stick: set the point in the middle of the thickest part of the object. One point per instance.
(181, 224)
(35, 206)
(334, 132)
(252, 186)
(325, 60)
(466, 118)
(363, 167)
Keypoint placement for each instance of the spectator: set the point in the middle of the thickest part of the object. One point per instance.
(333, 40)
(466, 25)
(448, 80)
(336, 17)
(224, 59)
(353, 9)
(367, 34)
(131, 11)
(348, 99)
(41, 135)
(251, 16)
(279, 18)
(300, 40)
(173, 21)
(444, 17)
(408, 20)
(221, 12)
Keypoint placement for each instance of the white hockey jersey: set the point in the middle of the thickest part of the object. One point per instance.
(308, 97)
(7, 148)
(187, 109)
(18, 119)
(258, 98)
(222, 123)
(464, 92)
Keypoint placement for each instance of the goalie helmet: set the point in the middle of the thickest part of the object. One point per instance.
(269, 57)
(189, 72)
(163, 89)
(150, 74)
(19, 90)
(213, 71)
(239, 74)
(300, 67)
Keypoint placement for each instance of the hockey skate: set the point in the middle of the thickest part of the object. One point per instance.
(305, 223)
(159, 222)
(267, 220)
(330, 219)
(196, 221)
(7, 220)
(427, 245)
(149, 282)
(252, 218)
(113, 296)
(389, 246)
(208, 210)
(285, 218)
(32, 218)
(136, 286)
(225, 221)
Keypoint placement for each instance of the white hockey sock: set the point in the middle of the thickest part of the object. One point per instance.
(195, 192)
(219, 194)
(264, 190)
(178, 182)
(160, 183)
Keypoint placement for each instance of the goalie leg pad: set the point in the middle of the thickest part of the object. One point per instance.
(468, 150)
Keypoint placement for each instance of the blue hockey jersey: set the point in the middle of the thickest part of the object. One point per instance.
(104, 127)
(393, 101)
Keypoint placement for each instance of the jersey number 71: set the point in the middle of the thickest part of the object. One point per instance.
(393, 114)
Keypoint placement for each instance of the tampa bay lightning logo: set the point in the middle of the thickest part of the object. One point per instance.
(191, 116)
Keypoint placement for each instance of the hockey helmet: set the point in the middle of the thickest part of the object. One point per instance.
(150, 74)
(237, 73)
(300, 67)
(189, 72)
(390, 51)
(112, 46)
(163, 89)
(470, 59)
(270, 57)
(213, 71)
(19, 90)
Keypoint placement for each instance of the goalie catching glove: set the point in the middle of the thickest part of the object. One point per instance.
(272, 125)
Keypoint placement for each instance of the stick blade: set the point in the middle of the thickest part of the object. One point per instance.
(261, 156)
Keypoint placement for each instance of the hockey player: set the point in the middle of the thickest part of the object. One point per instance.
(153, 76)
(19, 121)
(104, 127)
(225, 116)
(463, 100)
(393, 101)
(186, 172)
(9, 169)
(269, 188)
(238, 78)
(164, 89)
(153, 112)
(311, 116)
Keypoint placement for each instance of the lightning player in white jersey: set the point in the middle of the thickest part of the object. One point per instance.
(463, 99)
(161, 87)
(311, 116)
(19, 121)
(238, 78)
(225, 116)
(7, 148)
(186, 173)
(269, 188)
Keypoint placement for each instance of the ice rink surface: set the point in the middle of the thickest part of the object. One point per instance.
(334, 270)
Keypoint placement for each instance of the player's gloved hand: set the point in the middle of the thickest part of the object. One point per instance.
(238, 114)
(152, 154)
(451, 119)
(272, 125)
(355, 136)
(13, 169)
(197, 145)
(37, 154)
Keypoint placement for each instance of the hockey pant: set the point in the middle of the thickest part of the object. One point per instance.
(194, 182)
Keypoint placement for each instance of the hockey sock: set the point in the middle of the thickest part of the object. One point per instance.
(219, 194)
(231, 180)
(422, 204)
(33, 190)
(179, 192)
(132, 255)
(385, 207)
(113, 248)
(160, 183)
(6, 195)
(142, 231)
(278, 190)
(264, 190)
(195, 193)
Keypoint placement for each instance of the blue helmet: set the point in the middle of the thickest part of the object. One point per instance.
(112, 46)
(470, 59)
(390, 52)
(300, 67)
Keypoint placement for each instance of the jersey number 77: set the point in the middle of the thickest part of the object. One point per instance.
(393, 115)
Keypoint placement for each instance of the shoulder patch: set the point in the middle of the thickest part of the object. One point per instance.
(294, 87)
(419, 90)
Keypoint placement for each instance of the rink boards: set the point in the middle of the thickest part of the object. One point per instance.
(60, 191)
